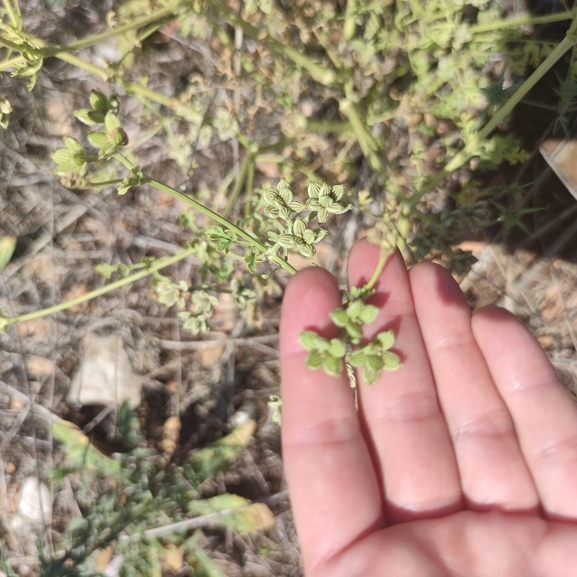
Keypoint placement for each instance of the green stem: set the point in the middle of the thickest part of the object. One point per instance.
(223, 221)
(211, 214)
(365, 139)
(162, 263)
(465, 154)
(379, 269)
(248, 189)
(82, 64)
(112, 33)
(11, 14)
(526, 20)
(11, 45)
(246, 161)
(12, 62)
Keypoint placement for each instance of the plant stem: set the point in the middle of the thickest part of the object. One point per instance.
(211, 214)
(248, 189)
(461, 157)
(223, 221)
(379, 269)
(113, 32)
(162, 263)
(11, 45)
(11, 14)
(246, 161)
(364, 137)
(526, 20)
(82, 64)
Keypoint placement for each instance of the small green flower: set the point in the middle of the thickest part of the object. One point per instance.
(170, 293)
(376, 356)
(304, 237)
(353, 316)
(326, 200)
(280, 203)
(100, 107)
(71, 163)
(5, 110)
(326, 353)
(275, 403)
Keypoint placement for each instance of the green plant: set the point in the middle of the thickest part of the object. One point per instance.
(140, 505)
(394, 81)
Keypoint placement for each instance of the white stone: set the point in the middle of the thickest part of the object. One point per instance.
(34, 501)
(105, 374)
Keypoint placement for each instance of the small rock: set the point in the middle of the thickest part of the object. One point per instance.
(34, 502)
(105, 376)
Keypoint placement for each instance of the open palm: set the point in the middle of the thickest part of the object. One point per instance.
(462, 463)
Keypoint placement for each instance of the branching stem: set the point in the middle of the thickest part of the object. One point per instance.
(160, 264)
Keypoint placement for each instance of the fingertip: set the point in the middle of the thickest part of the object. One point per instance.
(309, 298)
(364, 259)
(432, 282)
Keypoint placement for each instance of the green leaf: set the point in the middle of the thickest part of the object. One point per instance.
(223, 239)
(7, 246)
(205, 566)
(107, 270)
(78, 449)
(218, 503)
(238, 513)
(220, 455)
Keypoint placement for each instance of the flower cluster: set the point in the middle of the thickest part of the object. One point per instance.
(332, 354)
(373, 357)
(326, 200)
(73, 162)
(353, 316)
(294, 231)
(326, 353)
(197, 321)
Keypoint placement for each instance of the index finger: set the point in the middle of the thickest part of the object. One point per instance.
(333, 486)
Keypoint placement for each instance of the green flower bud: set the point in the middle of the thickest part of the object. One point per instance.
(98, 101)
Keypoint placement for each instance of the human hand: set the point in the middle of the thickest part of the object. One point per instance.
(461, 463)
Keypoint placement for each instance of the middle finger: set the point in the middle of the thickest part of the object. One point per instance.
(403, 424)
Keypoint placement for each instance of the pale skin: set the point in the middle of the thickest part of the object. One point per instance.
(462, 463)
